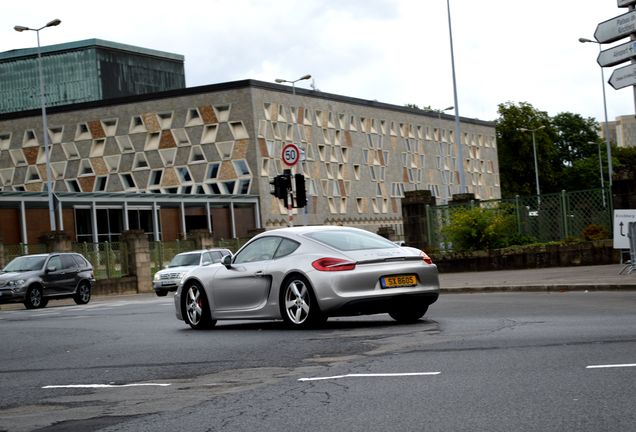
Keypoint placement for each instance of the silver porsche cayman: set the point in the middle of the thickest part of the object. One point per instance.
(303, 275)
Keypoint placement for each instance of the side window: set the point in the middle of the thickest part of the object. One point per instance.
(55, 262)
(81, 262)
(258, 250)
(286, 247)
(68, 262)
(207, 257)
(216, 256)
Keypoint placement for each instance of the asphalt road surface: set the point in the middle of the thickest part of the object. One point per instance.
(477, 362)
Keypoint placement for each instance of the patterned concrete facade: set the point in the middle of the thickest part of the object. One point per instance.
(225, 140)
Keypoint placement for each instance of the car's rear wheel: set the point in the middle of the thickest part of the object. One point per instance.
(299, 307)
(408, 314)
(197, 310)
(33, 298)
(83, 294)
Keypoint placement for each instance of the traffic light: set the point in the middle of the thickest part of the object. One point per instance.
(282, 185)
(301, 195)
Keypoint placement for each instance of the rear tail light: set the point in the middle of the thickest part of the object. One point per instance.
(426, 258)
(333, 264)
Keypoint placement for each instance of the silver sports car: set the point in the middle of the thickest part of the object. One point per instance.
(305, 274)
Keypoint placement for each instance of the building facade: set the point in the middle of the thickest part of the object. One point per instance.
(204, 157)
(84, 71)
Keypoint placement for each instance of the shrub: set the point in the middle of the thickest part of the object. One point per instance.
(479, 229)
(595, 232)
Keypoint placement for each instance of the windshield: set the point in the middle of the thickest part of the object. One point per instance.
(346, 240)
(25, 263)
(191, 259)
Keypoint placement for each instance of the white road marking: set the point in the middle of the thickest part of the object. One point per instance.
(611, 366)
(372, 375)
(105, 385)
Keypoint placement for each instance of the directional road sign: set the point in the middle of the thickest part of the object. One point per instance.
(617, 55)
(616, 28)
(622, 218)
(625, 3)
(623, 77)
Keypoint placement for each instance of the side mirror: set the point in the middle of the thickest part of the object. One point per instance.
(51, 269)
(227, 261)
(206, 263)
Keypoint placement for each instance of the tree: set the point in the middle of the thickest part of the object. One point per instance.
(515, 149)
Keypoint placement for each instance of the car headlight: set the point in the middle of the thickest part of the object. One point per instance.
(17, 283)
(157, 276)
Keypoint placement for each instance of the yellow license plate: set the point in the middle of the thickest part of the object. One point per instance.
(398, 281)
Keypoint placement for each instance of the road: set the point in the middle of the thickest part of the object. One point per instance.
(478, 362)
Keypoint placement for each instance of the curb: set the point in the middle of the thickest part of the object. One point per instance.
(538, 288)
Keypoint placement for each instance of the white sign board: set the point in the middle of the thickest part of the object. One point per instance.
(623, 77)
(617, 55)
(622, 218)
(616, 28)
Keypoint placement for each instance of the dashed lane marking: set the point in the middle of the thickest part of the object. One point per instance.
(611, 366)
(370, 375)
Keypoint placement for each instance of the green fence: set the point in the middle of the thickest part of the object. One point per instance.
(109, 260)
(162, 252)
(545, 218)
(16, 250)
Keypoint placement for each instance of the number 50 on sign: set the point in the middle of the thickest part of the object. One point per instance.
(290, 154)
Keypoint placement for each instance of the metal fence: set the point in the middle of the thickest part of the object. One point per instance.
(162, 252)
(109, 260)
(544, 218)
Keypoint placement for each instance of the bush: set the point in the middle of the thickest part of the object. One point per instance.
(479, 229)
(595, 232)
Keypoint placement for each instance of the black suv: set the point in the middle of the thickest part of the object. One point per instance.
(35, 279)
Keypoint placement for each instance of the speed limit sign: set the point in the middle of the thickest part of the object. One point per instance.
(290, 154)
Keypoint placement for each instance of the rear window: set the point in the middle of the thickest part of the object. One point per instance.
(346, 240)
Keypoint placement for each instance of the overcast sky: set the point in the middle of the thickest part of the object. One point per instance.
(394, 51)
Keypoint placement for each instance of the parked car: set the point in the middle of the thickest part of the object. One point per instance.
(36, 279)
(303, 275)
(168, 279)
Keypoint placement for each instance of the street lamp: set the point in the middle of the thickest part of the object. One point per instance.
(458, 137)
(49, 186)
(293, 83)
(600, 168)
(439, 125)
(534, 150)
(606, 128)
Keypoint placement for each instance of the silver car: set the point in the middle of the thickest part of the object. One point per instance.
(168, 279)
(303, 275)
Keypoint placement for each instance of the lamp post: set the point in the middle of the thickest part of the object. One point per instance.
(606, 128)
(293, 82)
(439, 123)
(458, 137)
(534, 150)
(45, 132)
(600, 168)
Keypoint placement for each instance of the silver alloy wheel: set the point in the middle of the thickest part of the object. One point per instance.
(35, 297)
(194, 305)
(83, 294)
(297, 301)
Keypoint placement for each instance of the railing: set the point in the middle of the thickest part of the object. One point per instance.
(545, 218)
(162, 252)
(109, 260)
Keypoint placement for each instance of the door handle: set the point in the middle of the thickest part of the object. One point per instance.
(259, 273)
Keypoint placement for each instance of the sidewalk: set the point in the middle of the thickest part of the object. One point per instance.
(580, 278)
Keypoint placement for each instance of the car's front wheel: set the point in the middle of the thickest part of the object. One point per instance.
(83, 294)
(299, 307)
(408, 314)
(197, 310)
(33, 298)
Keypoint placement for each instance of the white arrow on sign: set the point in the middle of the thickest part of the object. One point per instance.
(616, 28)
(623, 77)
(625, 3)
(617, 54)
